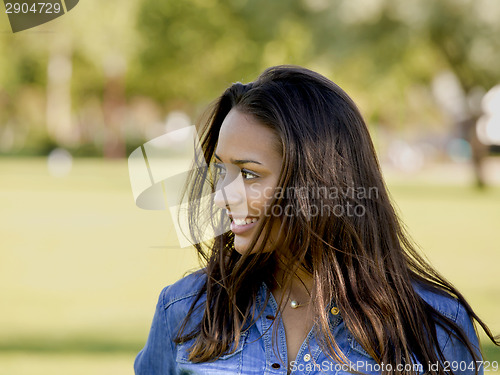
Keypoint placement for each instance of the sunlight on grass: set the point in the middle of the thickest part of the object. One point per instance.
(457, 229)
(74, 364)
(78, 256)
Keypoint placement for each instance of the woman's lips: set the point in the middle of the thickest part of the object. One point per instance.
(240, 227)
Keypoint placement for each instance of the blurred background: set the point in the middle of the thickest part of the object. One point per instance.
(81, 266)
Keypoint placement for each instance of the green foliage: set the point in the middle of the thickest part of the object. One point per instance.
(465, 39)
(191, 50)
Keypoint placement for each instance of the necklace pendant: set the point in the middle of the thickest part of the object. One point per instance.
(294, 304)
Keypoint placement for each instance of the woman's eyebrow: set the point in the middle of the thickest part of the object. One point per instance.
(238, 161)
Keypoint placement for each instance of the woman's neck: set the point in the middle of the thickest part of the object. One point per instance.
(299, 288)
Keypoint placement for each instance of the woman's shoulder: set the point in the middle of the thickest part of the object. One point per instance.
(440, 300)
(158, 355)
(454, 350)
(454, 310)
(184, 290)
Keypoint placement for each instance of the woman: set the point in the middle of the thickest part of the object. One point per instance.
(316, 274)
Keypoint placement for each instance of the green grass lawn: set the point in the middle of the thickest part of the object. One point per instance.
(81, 266)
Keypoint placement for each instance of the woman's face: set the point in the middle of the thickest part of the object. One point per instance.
(250, 165)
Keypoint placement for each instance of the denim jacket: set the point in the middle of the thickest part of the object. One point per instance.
(255, 354)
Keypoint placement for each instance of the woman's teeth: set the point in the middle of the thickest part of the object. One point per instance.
(245, 221)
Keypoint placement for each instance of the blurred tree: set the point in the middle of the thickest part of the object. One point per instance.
(76, 62)
(102, 52)
(191, 50)
(468, 38)
(22, 80)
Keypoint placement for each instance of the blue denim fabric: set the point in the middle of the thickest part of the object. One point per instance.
(255, 354)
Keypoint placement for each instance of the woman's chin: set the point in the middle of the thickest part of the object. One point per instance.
(241, 245)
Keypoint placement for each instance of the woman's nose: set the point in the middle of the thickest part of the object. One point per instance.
(231, 194)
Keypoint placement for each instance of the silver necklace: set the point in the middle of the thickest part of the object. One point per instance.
(293, 303)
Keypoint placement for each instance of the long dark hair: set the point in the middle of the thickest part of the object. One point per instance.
(364, 261)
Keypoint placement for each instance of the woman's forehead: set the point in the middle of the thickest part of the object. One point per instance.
(243, 137)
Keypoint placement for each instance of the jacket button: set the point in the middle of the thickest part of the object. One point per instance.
(307, 357)
(270, 317)
(335, 310)
(275, 365)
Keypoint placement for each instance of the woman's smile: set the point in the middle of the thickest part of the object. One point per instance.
(240, 226)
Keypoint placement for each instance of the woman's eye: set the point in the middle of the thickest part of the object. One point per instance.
(219, 172)
(247, 175)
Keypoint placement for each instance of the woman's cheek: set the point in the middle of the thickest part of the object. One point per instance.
(255, 189)
(255, 207)
(268, 192)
